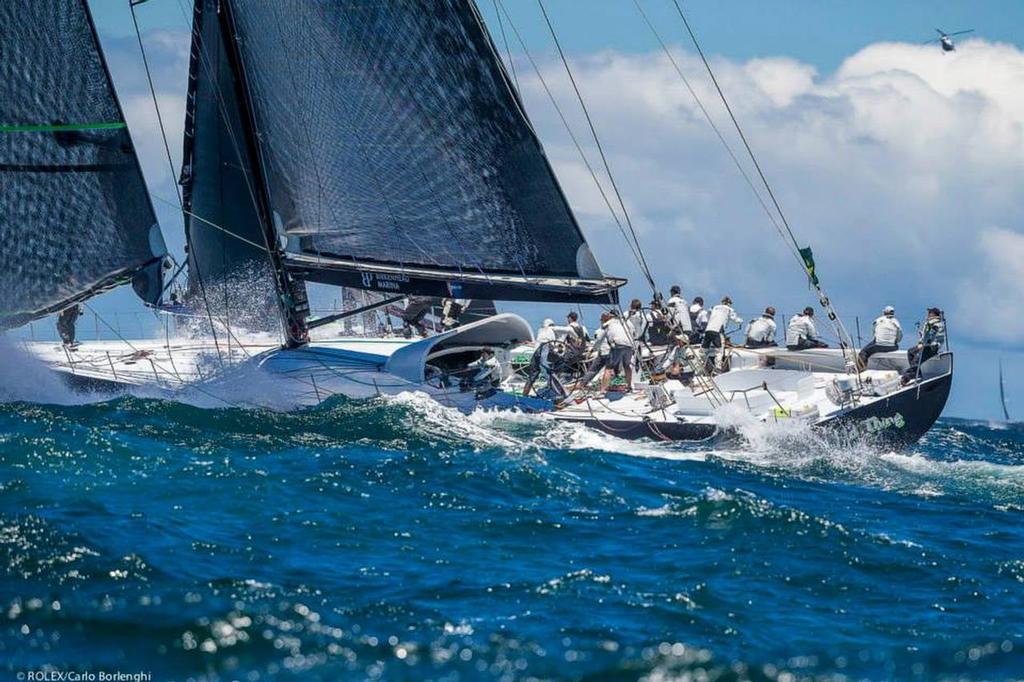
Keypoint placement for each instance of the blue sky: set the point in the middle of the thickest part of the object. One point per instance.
(843, 107)
(819, 32)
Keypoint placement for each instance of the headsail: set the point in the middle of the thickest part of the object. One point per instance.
(76, 215)
(226, 198)
(398, 157)
(222, 223)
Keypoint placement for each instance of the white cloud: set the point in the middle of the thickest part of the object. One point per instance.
(993, 294)
(893, 168)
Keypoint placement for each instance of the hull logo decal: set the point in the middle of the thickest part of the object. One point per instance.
(877, 424)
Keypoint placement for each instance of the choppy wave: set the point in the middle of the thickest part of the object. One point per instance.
(23, 377)
(399, 539)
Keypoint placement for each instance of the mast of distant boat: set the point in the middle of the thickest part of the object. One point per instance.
(1002, 392)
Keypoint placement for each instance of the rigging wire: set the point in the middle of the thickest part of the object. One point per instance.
(597, 141)
(823, 298)
(735, 122)
(154, 362)
(721, 138)
(572, 136)
(156, 105)
(504, 38)
(177, 189)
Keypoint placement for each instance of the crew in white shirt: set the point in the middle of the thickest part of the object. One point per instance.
(714, 335)
(699, 318)
(886, 337)
(801, 333)
(678, 311)
(488, 370)
(761, 332)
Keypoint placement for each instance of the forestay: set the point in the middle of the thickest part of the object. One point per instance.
(398, 157)
(76, 216)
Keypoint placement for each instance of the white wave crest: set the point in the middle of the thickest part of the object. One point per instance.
(24, 377)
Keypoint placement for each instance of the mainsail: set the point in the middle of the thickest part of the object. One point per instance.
(396, 155)
(76, 215)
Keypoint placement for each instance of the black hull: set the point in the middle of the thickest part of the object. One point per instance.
(898, 421)
(631, 429)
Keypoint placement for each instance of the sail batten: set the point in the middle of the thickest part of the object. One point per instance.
(77, 218)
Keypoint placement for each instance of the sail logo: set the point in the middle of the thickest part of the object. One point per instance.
(878, 424)
(384, 280)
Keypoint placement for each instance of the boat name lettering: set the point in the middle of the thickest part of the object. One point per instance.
(877, 424)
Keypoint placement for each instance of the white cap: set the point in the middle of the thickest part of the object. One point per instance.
(888, 309)
(548, 322)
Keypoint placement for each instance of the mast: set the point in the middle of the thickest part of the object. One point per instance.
(291, 293)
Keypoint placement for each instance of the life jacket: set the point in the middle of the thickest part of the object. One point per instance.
(659, 331)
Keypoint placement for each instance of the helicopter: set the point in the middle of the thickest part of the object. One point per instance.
(945, 40)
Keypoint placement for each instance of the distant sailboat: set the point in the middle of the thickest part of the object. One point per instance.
(1002, 392)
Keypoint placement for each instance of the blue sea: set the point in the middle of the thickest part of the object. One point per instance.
(397, 540)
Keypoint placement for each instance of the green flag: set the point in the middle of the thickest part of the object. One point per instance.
(808, 257)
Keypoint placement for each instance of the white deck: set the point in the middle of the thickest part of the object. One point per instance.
(255, 371)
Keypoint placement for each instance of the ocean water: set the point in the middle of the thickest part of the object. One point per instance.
(395, 539)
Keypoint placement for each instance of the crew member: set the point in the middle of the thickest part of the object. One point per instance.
(637, 320)
(576, 327)
(451, 310)
(540, 363)
(699, 318)
(415, 311)
(486, 371)
(932, 338)
(801, 333)
(714, 335)
(620, 355)
(66, 322)
(678, 311)
(659, 330)
(602, 351)
(675, 360)
(886, 338)
(761, 332)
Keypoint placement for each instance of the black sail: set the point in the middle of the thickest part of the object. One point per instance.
(397, 156)
(223, 228)
(76, 218)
